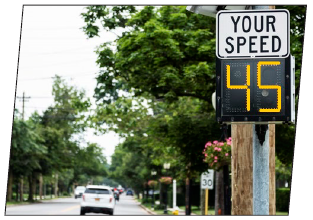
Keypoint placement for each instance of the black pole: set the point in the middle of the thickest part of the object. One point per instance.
(152, 205)
(226, 184)
(165, 199)
(227, 201)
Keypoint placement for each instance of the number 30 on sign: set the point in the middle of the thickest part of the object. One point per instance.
(255, 90)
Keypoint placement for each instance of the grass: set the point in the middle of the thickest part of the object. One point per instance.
(281, 213)
(194, 209)
(35, 201)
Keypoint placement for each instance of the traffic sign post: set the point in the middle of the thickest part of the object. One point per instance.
(207, 183)
(255, 84)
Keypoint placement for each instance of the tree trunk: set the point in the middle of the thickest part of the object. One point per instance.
(21, 189)
(56, 185)
(16, 191)
(44, 190)
(34, 185)
(202, 201)
(161, 194)
(73, 189)
(30, 187)
(188, 196)
(40, 186)
(219, 193)
(9, 186)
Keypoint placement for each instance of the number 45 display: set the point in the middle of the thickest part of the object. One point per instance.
(255, 90)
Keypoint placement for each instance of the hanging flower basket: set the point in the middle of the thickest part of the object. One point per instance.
(217, 154)
(152, 183)
(165, 180)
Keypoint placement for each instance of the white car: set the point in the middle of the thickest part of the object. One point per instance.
(79, 190)
(97, 199)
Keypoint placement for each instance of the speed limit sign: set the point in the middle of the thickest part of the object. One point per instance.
(207, 179)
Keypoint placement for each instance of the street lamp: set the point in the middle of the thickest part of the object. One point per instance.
(166, 166)
(153, 173)
(211, 10)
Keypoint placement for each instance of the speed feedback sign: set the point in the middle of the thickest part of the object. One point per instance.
(251, 34)
(207, 179)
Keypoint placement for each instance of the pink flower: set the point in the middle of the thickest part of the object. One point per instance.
(215, 161)
(208, 144)
(215, 157)
(226, 154)
(228, 142)
(219, 149)
(221, 144)
(206, 155)
(216, 148)
(215, 142)
(229, 138)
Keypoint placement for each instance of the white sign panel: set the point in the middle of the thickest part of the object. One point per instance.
(207, 179)
(252, 33)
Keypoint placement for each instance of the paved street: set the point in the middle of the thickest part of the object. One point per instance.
(71, 206)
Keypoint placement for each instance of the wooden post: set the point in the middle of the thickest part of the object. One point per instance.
(242, 169)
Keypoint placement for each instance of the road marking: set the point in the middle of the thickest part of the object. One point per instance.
(70, 208)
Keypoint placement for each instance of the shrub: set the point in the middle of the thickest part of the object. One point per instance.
(146, 201)
(282, 199)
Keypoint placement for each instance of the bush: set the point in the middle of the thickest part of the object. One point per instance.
(159, 207)
(146, 201)
(282, 199)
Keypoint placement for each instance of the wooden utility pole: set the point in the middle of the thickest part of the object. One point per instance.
(253, 166)
(242, 169)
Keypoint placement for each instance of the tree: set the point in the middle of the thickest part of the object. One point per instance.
(26, 152)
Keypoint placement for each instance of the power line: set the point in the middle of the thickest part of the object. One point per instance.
(51, 77)
(59, 64)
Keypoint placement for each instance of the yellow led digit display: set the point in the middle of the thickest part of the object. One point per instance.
(240, 86)
(269, 63)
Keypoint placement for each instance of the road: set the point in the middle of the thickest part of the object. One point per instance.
(70, 206)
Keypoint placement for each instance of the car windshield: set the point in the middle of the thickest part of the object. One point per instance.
(97, 191)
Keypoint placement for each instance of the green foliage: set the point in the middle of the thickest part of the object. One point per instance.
(282, 199)
(283, 172)
(46, 143)
(26, 148)
(154, 88)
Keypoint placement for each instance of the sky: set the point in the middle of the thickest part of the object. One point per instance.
(52, 42)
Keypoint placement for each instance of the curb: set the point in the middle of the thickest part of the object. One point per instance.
(147, 210)
(144, 208)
